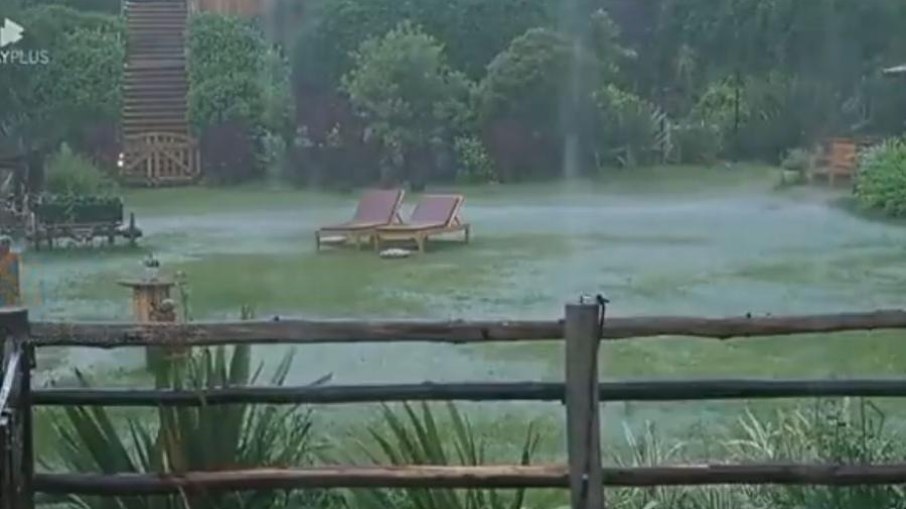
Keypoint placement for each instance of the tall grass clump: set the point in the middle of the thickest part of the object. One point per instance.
(829, 432)
(209, 437)
(414, 436)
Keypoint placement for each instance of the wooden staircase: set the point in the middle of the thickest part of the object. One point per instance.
(157, 147)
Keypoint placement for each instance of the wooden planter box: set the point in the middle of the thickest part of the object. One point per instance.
(88, 212)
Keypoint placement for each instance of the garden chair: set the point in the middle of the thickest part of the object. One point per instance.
(433, 215)
(376, 208)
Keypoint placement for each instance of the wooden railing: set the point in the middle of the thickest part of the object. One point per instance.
(583, 328)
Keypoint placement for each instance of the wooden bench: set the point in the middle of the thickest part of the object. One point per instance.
(83, 232)
(839, 158)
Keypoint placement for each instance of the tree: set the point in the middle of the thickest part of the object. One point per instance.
(78, 85)
(412, 100)
(526, 105)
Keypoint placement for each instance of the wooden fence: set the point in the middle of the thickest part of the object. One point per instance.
(582, 329)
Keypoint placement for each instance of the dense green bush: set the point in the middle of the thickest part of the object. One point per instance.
(231, 152)
(234, 97)
(112, 7)
(471, 31)
(68, 173)
(411, 99)
(225, 71)
(798, 159)
(881, 178)
(633, 131)
(81, 82)
(519, 103)
(695, 142)
(221, 45)
(231, 89)
(474, 163)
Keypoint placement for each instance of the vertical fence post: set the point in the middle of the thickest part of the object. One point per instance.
(28, 432)
(586, 481)
(18, 456)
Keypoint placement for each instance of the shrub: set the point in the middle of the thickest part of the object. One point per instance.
(831, 432)
(798, 159)
(633, 131)
(80, 82)
(717, 105)
(70, 173)
(231, 152)
(519, 102)
(225, 99)
(222, 45)
(881, 179)
(695, 142)
(475, 165)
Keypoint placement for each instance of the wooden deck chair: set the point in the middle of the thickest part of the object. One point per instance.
(376, 208)
(433, 215)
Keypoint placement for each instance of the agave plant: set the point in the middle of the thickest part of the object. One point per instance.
(413, 437)
(204, 438)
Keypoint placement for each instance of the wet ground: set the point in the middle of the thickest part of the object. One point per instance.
(671, 241)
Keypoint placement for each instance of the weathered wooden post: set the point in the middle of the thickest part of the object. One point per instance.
(151, 303)
(583, 335)
(17, 463)
(147, 297)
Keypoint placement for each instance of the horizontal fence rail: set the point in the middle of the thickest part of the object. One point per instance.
(582, 329)
(111, 335)
(504, 476)
(659, 391)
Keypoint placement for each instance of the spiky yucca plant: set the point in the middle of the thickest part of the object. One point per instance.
(203, 438)
(413, 436)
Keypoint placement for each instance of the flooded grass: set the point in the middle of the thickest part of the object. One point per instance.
(709, 242)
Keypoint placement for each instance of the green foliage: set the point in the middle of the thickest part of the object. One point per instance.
(104, 6)
(68, 173)
(633, 130)
(204, 438)
(222, 45)
(277, 110)
(226, 66)
(717, 106)
(881, 179)
(695, 142)
(826, 432)
(412, 100)
(525, 81)
(233, 97)
(471, 31)
(798, 159)
(832, 432)
(79, 83)
(414, 436)
(475, 165)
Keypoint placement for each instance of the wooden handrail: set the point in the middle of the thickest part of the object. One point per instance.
(493, 476)
(664, 390)
(579, 394)
(111, 335)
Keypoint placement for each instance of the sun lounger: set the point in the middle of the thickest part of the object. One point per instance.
(433, 215)
(376, 208)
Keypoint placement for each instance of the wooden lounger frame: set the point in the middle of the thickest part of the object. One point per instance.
(420, 235)
(357, 234)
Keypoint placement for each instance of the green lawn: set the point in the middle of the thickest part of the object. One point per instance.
(688, 241)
